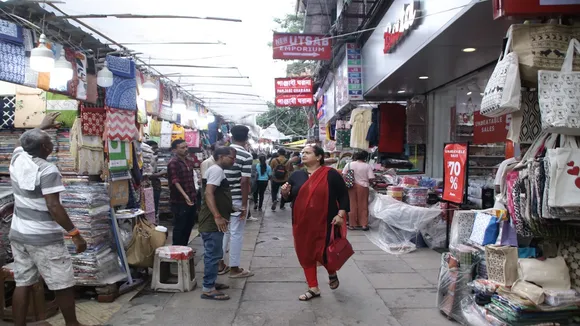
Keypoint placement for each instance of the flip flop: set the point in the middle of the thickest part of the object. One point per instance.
(219, 286)
(243, 274)
(215, 296)
(309, 295)
(225, 270)
(333, 282)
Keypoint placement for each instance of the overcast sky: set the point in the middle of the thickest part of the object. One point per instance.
(246, 43)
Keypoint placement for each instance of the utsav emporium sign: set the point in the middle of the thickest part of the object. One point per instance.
(396, 32)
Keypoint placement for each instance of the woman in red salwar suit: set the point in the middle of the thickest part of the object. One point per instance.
(319, 200)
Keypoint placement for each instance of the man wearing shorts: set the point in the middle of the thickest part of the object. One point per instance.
(36, 233)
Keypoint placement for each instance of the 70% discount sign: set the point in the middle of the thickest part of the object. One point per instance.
(454, 160)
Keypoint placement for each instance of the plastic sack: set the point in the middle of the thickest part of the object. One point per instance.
(394, 224)
(454, 277)
(434, 233)
(473, 314)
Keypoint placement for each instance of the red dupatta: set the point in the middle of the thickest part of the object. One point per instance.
(310, 213)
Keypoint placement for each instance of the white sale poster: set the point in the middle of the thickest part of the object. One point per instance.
(559, 2)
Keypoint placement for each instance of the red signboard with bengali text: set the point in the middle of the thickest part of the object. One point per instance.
(489, 130)
(534, 8)
(298, 46)
(293, 85)
(294, 100)
(454, 177)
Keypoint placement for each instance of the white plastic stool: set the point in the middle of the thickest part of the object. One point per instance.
(183, 257)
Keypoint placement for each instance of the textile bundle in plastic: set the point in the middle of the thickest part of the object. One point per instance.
(395, 225)
(87, 204)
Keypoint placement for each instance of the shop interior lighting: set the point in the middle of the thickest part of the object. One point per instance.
(41, 57)
(149, 91)
(469, 93)
(424, 77)
(63, 70)
(469, 50)
(105, 77)
(481, 94)
(401, 91)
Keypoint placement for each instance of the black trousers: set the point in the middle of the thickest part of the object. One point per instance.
(275, 190)
(184, 218)
(259, 194)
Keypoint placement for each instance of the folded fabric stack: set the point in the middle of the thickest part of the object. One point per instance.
(8, 141)
(148, 159)
(6, 210)
(65, 161)
(162, 161)
(88, 206)
(416, 196)
(514, 310)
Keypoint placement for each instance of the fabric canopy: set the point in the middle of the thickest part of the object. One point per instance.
(214, 69)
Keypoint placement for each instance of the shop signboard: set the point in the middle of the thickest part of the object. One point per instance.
(322, 131)
(506, 8)
(288, 46)
(293, 85)
(489, 130)
(396, 31)
(294, 100)
(320, 107)
(354, 64)
(455, 157)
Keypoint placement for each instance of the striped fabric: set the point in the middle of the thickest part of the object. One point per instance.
(120, 125)
(32, 223)
(241, 168)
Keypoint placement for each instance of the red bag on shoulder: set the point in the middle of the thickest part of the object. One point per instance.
(339, 249)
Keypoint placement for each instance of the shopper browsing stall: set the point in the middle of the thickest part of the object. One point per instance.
(182, 193)
(359, 193)
(36, 232)
(214, 217)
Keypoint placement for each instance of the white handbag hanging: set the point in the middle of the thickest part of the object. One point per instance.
(560, 96)
(564, 184)
(503, 90)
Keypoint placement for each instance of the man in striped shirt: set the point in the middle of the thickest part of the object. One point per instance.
(36, 233)
(238, 176)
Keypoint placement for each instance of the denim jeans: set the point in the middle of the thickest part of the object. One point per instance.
(213, 253)
(235, 236)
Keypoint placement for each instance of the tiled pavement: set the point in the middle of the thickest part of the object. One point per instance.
(376, 288)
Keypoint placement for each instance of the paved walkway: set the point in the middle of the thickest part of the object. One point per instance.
(376, 288)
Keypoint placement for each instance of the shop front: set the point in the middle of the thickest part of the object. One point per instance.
(439, 54)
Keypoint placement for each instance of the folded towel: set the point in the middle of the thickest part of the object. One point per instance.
(24, 170)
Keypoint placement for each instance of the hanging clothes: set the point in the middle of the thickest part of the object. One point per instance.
(360, 119)
(373, 134)
(392, 128)
(178, 133)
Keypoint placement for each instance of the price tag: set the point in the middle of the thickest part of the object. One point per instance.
(454, 160)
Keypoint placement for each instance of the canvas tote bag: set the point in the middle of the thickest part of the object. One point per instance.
(542, 47)
(565, 174)
(502, 93)
(560, 96)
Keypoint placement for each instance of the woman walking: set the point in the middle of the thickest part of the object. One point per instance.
(319, 202)
(359, 193)
(264, 173)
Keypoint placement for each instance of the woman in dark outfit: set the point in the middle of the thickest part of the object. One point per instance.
(319, 201)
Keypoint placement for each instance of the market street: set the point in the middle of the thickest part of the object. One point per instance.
(376, 288)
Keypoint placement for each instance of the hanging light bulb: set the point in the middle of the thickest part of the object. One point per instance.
(41, 57)
(63, 70)
(105, 77)
(149, 91)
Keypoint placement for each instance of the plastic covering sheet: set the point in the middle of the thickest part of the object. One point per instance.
(395, 225)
